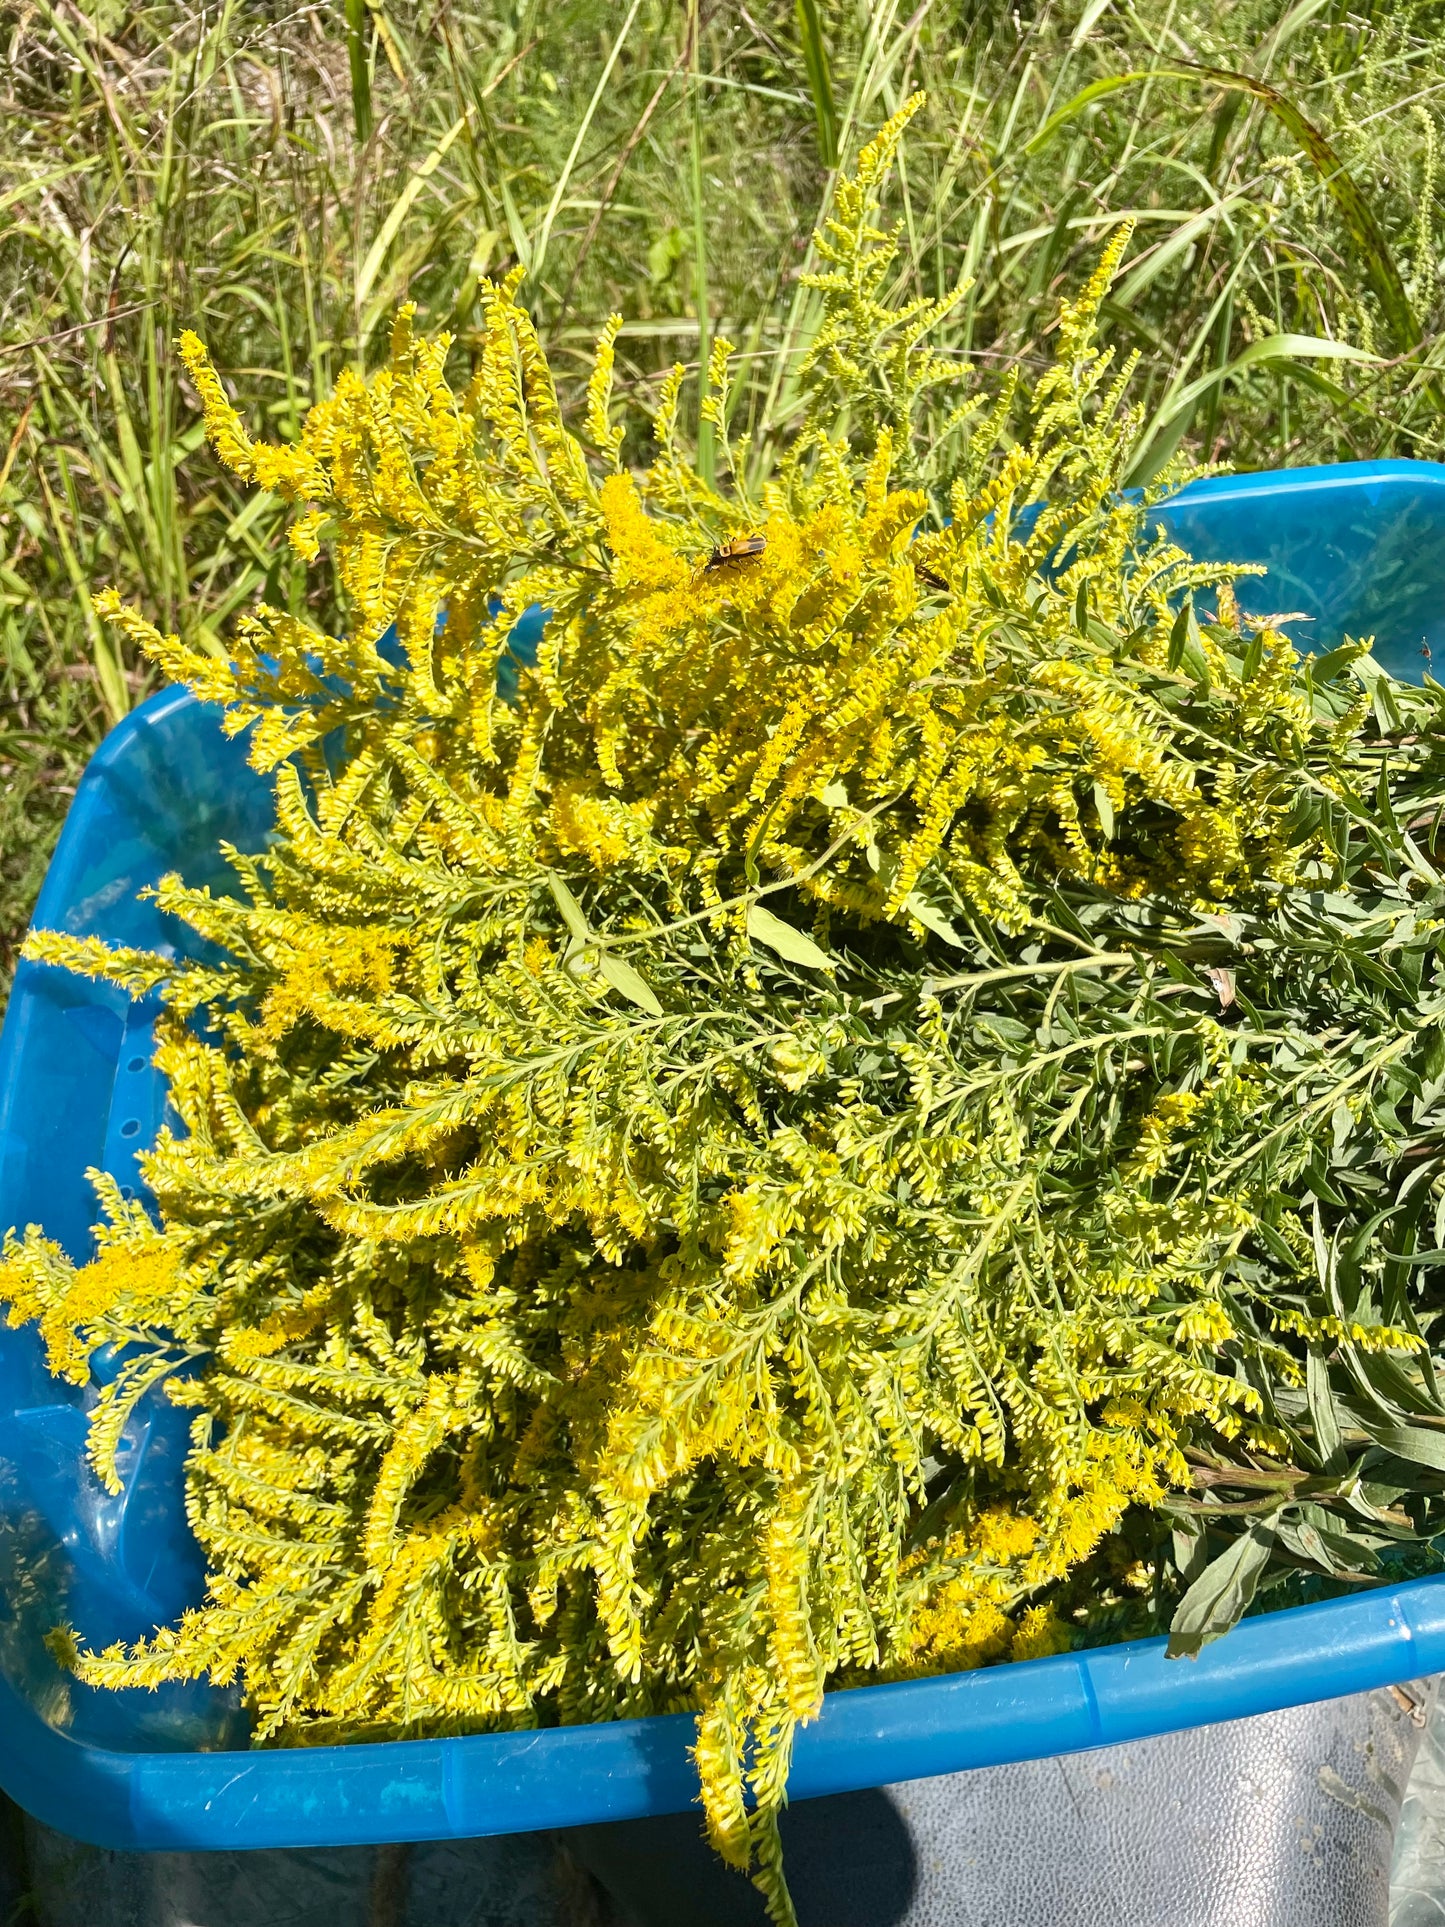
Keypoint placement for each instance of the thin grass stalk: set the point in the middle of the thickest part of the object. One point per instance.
(706, 447)
(357, 16)
(820, 80)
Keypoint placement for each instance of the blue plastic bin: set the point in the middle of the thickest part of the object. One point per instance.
(1360, 549)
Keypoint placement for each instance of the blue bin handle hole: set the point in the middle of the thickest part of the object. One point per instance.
(130, 1127)
(135, 1064)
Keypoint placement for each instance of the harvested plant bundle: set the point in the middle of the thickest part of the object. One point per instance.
(884, 1102)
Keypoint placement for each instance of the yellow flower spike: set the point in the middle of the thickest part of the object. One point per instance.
(305, 531)
(224, 428)
(604, 436)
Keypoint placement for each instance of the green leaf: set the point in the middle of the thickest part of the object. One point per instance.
(1426, 872)
(820, 81)
(790, 944)
(1283, 347)
(1191, 1548)
(933, 920)
(1104, 805)
(1414, 1442)
(1186, 645)
(1274, 1244)
(1323, 1416)
(571, 909)
(1179, 635)
(627, 983)
(1382, 695)
(1196, 663)
(1319, 1183)
(357, 25)
(1312, 1536)
(1072, 108)
(1392, 1386)
(1383, 806)
(1325, 668)
(1221, 1594)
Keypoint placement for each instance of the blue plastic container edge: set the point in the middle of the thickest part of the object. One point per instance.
(870, 1736)
(57, 889)
(1289, 481)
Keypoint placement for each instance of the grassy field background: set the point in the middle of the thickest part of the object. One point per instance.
(281, 177)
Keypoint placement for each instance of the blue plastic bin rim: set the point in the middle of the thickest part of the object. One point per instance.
(1308, 480)
(865, 1737)
(871, 1736)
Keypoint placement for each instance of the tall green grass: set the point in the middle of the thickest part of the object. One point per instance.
(281, 177)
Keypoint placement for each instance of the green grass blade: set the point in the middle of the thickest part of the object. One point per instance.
(358, 21)
(820, 80)
(706, 451)
(399, 210)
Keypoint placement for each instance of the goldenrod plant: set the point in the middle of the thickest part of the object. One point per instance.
(870, 1112)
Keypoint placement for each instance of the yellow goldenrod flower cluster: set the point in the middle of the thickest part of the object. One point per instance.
(718, 1171)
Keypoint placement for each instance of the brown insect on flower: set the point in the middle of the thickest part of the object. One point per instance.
(930, 578)
(741, 549)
